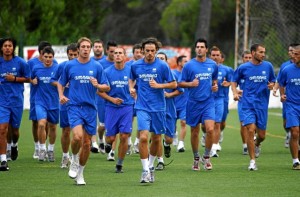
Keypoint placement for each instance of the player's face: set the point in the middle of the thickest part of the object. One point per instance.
(7, 48)
(200, 50)
(98, 49)
(296, 56)
(259, 54)
(290, 53)
(119, 55)
(183, 61)
(216, 56)
(137, 54)
(247, 57)
(48, 59)
(72, 54)
(162, 57)
(110, 53)
(149, 51)
(85, 49)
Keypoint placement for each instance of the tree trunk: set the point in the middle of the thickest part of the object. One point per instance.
(203, 24)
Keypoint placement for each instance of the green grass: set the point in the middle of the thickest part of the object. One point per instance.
(229, 177)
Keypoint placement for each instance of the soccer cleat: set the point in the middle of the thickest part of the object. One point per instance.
(167, 150)
(111, 156)
(4, 166)
(80, 180)
(257, 151)
(136, 148)
(51, 157)
(14, 153)
(252, 166)
(107, 148)
(8, 155)
(42, 155)
(160, 166)
(152, 179)
(64, 162)
(213, 153)
(195, 166)
(36, 154)
(94, 148)
(245, 151)
(73, 170)
(218, 147)
(180, 147)
(119, 169)
(296, 166)
(101, 148)
(145, 178)
(129, 150)
(206, 163)
(203, 141)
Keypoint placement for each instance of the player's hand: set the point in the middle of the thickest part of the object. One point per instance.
(283, 98)
(240, 93)
(271, 85)
(225, 83)
(94, 82)
(153, 83)
(236, 97)
(63, 100)
(34, 81)
(9, 77)
(214, 87)
(132, 92)
(195, 82)
(117, 101)
(274, 93)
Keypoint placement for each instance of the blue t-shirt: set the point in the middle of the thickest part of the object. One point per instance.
(12, 92)
(180, 100)
(56, 77)
(290, 79)
(150, 99)
(46, 94)
(223, 72)
(206, 72)
(118, 80)
(103, 57)
(105, 64)
(283, 65)
(81, 90)
(32, 62)
(256, 77)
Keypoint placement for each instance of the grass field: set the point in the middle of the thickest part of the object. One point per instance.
(229, 177)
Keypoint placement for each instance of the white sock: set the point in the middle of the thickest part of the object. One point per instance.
(3, 157)
(151, 160)
(8, 146)
(80, 170)
(42, 146)
(51, 147)
(145, 164)
(295, 160)
(160, 159)
(252, 161)
(36, 145)
(137, 140)
(129, 141)
(244, 145)
(66, 155)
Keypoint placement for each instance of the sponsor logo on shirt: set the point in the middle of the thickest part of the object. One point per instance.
(119, 84)
(203, 76)
(91, 72)
(45, 79)
(147, 77)
(296, 81)
(83, 79)
(258, 79)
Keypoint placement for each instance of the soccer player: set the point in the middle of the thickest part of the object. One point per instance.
(118, 106)
(289, 81)
(72, 53)
(152, 76)
(200, 76)
(98, 47)
(136, 55)
(46, 103)
(106, 62)
(32, 113)
(224, 78)
(14, 72)
(276, 87)
(83, 75)
(259, 78)
(180, 103)
(170, 94)
(246, 57)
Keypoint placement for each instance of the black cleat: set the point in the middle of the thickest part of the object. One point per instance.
(119, 168)
(107, 148)
(14, 153)
(4, 166)
(167, 151)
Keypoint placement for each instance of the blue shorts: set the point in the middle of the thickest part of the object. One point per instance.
(240, 111)
(64, 119)
(151, 121)
(181, 113)
(11, 115)
(284, 110)
(292, 115)
(198, 112)
(118, 120)
(32, 113)
(226, 110)
(85, 116)
(259, 117)
(170, 126)
(101, 112)
(51, 116)
(219, 109)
